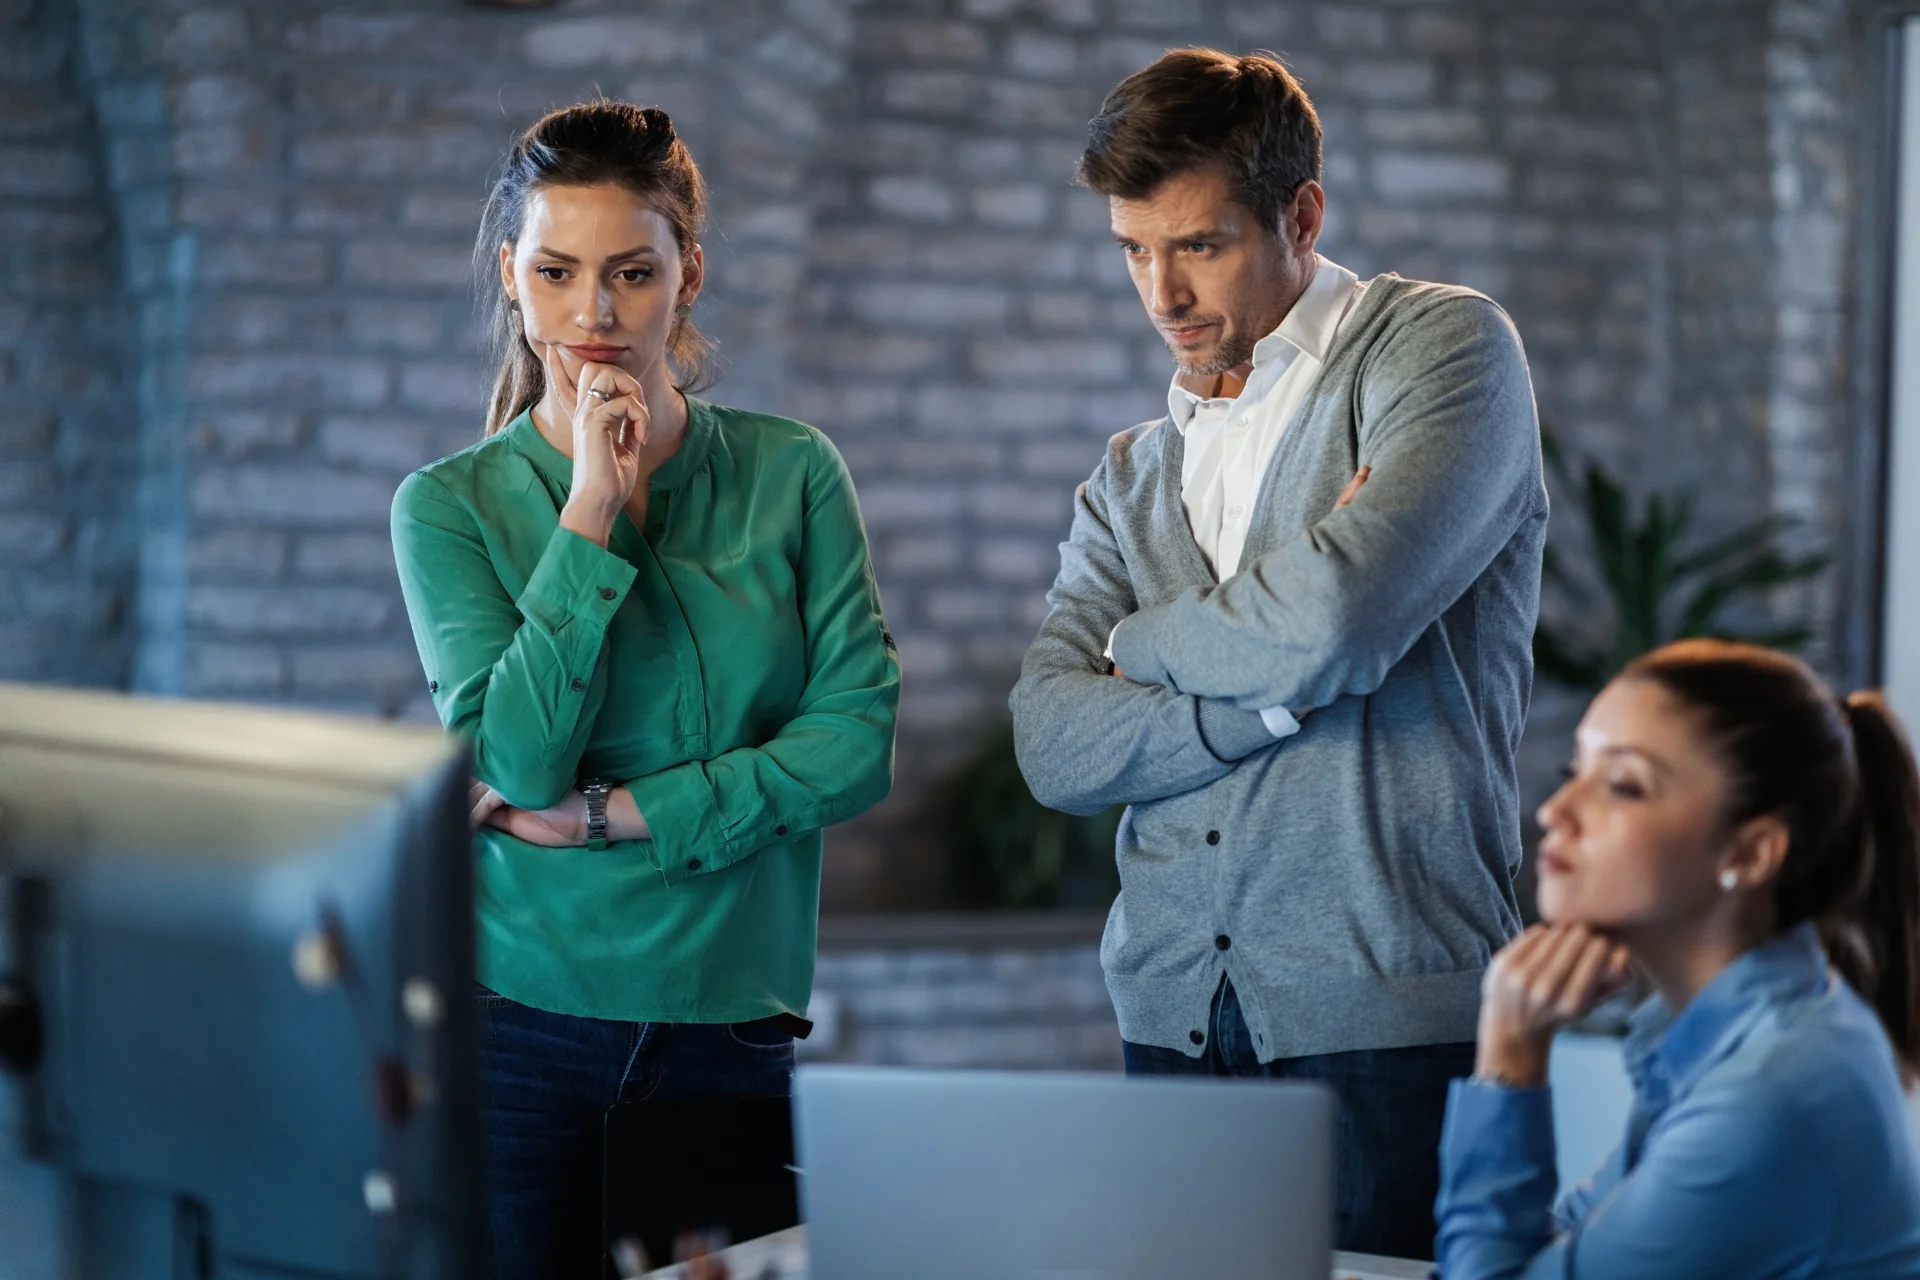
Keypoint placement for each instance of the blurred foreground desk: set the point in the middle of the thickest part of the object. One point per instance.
(783, 1256)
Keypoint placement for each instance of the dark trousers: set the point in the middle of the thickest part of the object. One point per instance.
(548, 1080)
(1387, 1137)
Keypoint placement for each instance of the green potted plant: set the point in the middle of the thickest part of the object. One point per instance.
(1006, 849)
(1642, 578)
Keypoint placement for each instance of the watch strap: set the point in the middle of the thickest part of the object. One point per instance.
(595, 790)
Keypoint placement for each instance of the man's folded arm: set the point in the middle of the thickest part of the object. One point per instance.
(1086, 739)
(1454, 449)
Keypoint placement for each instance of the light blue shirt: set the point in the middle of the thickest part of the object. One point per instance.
(1768, 1137)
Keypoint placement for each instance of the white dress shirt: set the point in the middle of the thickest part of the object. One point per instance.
(1229, 442)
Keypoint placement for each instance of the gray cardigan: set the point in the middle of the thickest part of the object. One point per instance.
(1354, 879)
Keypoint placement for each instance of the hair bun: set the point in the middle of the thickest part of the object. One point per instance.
(660, 135)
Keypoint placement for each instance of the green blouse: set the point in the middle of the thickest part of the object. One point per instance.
(729, 665)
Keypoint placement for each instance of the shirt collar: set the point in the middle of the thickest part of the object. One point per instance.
(557, 467)
(1308, 327)
(1666, 1054)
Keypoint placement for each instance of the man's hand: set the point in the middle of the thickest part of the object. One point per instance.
(1352, 490)
(1546, 978)
(1346, 495)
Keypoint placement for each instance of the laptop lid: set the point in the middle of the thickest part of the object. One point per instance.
(945, 1175)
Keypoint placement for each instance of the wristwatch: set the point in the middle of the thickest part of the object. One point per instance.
(595, 790)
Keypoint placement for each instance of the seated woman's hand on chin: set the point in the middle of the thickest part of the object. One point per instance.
(1550, 976)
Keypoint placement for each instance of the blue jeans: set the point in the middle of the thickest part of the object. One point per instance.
(548, 1080)
(1387, 1136)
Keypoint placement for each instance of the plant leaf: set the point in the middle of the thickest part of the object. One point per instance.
(1612, 539)
(1764, 571)
(1786, 639)
(1554, 454)
(1564, 661)
(1004, 847)
(1741, 541)
(1555, 569)
(1643, 584)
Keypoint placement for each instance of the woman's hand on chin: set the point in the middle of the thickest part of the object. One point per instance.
(609, 425)
(560, 827)
(1549, 976)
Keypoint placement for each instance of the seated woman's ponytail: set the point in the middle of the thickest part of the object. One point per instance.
(1875, 941)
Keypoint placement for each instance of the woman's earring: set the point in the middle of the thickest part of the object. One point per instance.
(684, 310)
(1729, 879)
(513, 304)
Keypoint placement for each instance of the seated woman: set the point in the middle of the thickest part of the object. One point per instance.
(1748, 842)
(655, 620)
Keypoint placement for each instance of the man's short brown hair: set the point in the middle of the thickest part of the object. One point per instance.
(1200, 107)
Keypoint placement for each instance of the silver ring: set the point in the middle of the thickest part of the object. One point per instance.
(598, 394)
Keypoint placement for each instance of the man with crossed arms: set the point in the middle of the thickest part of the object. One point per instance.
(1291, 630)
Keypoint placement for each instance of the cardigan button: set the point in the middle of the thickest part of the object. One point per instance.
(578, 685)
(608, 593)
(779, 831)
(1196, 1037)
(433, 686)
(1222, 942)
(693, 864)
(1213, 837)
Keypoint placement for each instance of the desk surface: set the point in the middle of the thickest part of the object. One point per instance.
(783, 1256)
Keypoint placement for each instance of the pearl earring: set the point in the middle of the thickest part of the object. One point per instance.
(1729, 880)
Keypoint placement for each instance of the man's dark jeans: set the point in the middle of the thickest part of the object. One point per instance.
(1392, 1104)
(548, 1080)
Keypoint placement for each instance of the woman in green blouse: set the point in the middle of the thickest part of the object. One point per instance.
(655, 620)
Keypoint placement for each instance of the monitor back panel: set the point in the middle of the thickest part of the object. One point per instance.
(944, 1175)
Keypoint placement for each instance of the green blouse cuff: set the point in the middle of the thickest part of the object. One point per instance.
(679, 810)
(575, 579)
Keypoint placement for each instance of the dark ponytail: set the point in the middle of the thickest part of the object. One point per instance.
(1877, 947)
(1840, 774)
(602, 143)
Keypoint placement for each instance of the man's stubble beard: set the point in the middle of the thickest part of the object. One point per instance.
(1230, 353)
(1238, 340)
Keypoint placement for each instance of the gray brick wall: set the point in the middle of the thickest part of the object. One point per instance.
(300, 184)
(1721, 243)
(929, 1006)
(1006, 991)
(1810, 132)
(71, 432)
(267, 205)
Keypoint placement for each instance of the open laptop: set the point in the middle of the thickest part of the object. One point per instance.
(949, 1175)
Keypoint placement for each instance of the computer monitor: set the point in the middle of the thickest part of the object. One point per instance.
(237, 1032)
